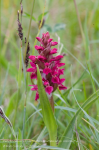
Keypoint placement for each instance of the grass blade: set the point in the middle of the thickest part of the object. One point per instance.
(69, 130)
(1, 97)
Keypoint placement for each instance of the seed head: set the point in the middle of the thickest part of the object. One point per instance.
(20, 28)
(27, 54)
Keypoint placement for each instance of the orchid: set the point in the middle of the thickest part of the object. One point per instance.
(49, 66)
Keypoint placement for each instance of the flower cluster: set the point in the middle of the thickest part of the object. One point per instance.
(48, 64)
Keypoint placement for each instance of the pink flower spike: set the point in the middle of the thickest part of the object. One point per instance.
(62, 87)
(61, 80)
(41, 58)
(32, 58)
(61, 71)
(54, 43)
(31, 69)
(55, 80)
(35, 88)
(58, 57)
(50, 66)
(47, 70)
(49, 89)
(61, 64)
(50, 40)
(33, 76)
(32, 64)
(47, 64)
(53, 73)
(46, 83)
(38, 38)
(53, 51)
(37, 96)
(39, 47)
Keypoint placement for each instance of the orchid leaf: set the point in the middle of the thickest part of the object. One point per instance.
(47, 112)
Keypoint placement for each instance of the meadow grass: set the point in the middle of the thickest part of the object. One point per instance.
(76, 25)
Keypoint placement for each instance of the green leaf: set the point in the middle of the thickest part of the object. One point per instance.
(28, 16)
(48, 28)
(47, 112)
(40, 16)
(59, 26)
(65, 108)
(49, 147)
(68, 134)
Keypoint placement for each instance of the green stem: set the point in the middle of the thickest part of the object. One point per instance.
(53, 138)
(29, 28)
(17, 101)
(38, 30)
(25, 94)
(19, 84)
(79, 21)
(24, 121)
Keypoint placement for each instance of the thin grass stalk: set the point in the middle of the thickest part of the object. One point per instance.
(94, 88)
(24, 80)
(39, 29)
(25, 76)
(19, 84)
(17, 101)
(25, 92)
(82, 32)
(79, 21)
(29, 27)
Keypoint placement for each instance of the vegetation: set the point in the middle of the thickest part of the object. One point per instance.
(24, 122)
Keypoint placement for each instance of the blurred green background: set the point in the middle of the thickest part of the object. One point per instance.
(62, 23)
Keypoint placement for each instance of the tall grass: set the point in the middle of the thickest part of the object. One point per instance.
(76, 25)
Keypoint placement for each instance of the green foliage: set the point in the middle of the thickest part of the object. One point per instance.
(28, 16)
(68, 134)
(48, 115)
(40, 16)
(77, 109)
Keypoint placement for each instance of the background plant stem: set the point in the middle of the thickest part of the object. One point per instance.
(29, 27)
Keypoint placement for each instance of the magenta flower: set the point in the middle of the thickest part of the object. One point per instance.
(49, 66)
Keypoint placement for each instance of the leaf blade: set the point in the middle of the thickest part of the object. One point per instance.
(69, 130)
(48, 115)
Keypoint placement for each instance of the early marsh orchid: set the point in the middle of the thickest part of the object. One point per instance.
(49, 66)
